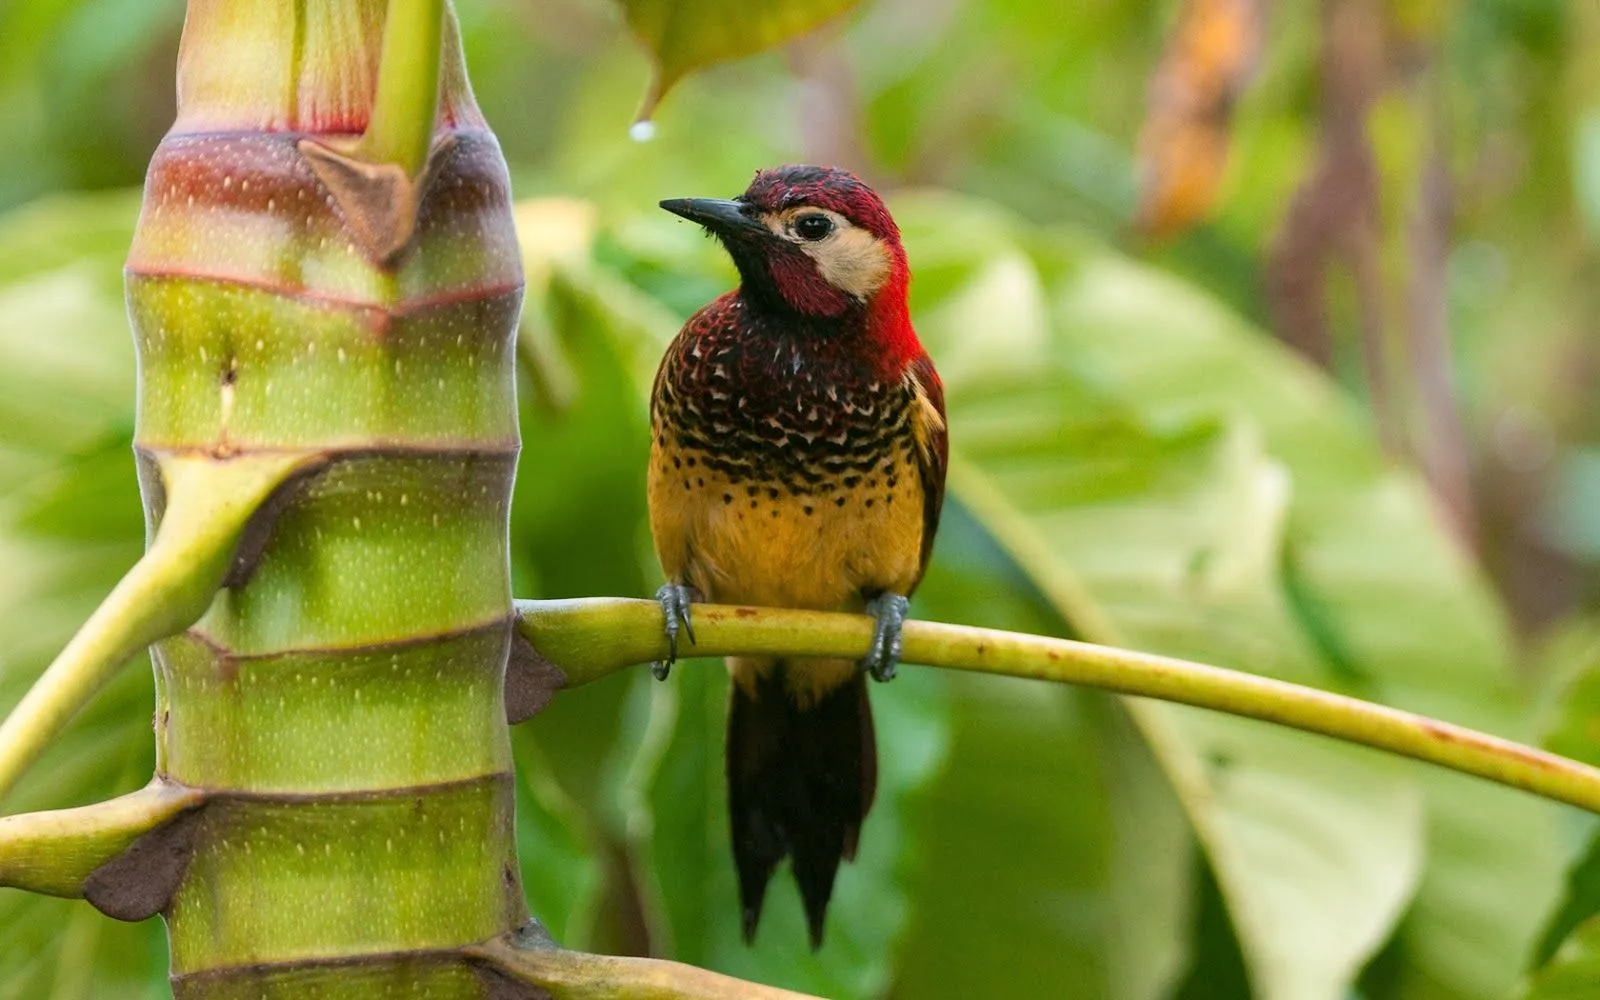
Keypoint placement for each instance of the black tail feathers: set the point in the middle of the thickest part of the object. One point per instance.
(800, 782)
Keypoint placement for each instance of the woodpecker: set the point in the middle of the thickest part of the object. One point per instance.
(798, 461)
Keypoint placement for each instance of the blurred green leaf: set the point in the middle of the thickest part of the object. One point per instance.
(1574, 971)
(557, 848)
(1167, 540)
(1377, 586)
(1051, 825)
(686, 35)
(1575, 727)
(1580, 904)
(1575, 733)
(1573, 519)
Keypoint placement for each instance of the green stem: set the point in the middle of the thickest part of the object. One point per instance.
(54, 852)
(587, 639)
(576, 975)
(208, 505)
(404, 109)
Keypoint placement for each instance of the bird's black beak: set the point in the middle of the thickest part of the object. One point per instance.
(721, 216)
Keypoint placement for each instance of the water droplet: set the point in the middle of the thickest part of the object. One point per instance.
(642, 130)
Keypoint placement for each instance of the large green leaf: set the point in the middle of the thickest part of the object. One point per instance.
(1395, 609)
(1052, 824)
(1315, 847)
(1167, 540)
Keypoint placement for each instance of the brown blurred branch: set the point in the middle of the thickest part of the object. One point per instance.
(1442, 449)
(1334, 216)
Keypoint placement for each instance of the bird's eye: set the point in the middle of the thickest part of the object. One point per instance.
(813, 227)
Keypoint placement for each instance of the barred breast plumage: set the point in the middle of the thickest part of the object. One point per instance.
(787, 472)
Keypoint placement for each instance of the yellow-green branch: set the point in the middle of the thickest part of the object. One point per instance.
(576, 975)
(209, 502)
(406, 103)
(587, 639)
(54, 852)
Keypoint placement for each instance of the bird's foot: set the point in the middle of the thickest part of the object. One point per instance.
(674, 598)
(883, 656)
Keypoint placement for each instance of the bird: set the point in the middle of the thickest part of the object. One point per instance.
(798, 456)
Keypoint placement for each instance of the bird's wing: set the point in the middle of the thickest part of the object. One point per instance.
(933, 447)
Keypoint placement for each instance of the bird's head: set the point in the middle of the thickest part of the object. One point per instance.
(809, 240)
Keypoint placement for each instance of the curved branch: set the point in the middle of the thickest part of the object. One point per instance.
(577, 975)
(209, 503)
(55, 852)
(587, 639)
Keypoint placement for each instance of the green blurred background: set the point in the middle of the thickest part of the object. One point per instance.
(1272, 338)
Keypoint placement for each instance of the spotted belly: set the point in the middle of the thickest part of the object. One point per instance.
(826, 546)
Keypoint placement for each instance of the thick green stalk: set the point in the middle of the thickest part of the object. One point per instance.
(582, 640)
(327, 434)
(340, 703)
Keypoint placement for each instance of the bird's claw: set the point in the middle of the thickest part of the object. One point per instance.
(674, 599)
(883, 656)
